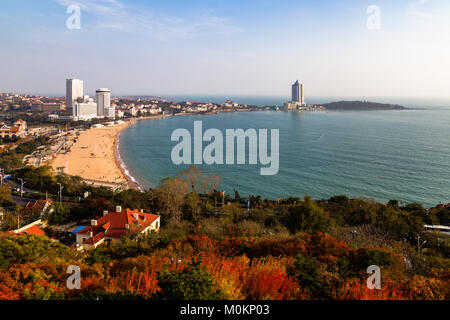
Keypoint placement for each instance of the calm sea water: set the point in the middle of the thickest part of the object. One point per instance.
(403, 155)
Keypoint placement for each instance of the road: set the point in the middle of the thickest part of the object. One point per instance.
(23, 201)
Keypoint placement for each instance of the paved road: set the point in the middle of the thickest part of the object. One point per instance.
(23, 201)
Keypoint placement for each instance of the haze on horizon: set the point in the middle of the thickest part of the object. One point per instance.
(225, 47)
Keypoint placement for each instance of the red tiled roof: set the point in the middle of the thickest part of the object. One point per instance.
(96, 238)
(35, 230)
(112, 225)
(11, 129)
(39, 203)
(106, 225)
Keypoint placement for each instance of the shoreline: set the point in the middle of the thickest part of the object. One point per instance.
(93, 158)
(132, 182)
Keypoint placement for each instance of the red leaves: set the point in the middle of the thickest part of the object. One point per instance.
(357, 290)
(242, 268)
(324, 247)
(139, 283)
(193, 244)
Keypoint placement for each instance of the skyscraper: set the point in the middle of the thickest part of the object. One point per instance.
(103, 102)
(298, 93)
(74, 91)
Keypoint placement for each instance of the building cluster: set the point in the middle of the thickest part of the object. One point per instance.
(48, 107)
(78, 106)
(137, 107)
(85, 108)
(25, 102)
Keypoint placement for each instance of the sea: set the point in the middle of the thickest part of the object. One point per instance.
(383, 155)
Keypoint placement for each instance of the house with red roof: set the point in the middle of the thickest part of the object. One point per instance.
(33, 228)
(43, 207)
(113, 226)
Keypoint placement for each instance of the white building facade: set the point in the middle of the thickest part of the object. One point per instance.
(74, 91)
(103, 101)
(85, 109)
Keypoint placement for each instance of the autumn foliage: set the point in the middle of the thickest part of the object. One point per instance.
(240, 268)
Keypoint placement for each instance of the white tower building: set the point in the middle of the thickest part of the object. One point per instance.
(74, 91)
(103, 102)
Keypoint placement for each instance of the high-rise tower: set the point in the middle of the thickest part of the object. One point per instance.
(74, 91)
(298, 93)
(103, 102)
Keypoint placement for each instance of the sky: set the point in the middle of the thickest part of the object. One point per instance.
(336, 48)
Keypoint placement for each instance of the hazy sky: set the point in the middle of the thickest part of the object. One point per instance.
(240, 47)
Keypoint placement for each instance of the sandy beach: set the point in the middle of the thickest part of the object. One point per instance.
(93, 156)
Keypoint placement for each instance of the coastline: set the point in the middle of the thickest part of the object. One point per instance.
(93, 157)
(96, 158)
(132, 182)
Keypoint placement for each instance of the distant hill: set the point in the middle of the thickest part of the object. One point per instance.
(361, 105)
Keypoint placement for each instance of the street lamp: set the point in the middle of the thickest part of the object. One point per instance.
(21, 186)
(60, 191)
(420, 245)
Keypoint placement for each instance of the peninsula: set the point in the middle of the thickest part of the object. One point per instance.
(361, 106)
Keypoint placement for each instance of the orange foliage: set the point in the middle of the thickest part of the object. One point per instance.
(193, 244)
(421, 288)
(139, 283)
(267, 279)
(240, 278)
(357, 290)
(324, 247)
(261, 273)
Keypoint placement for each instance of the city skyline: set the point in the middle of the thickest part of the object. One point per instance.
(206, 48)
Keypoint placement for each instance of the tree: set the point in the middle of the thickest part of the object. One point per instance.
(39, 178)
(237, 196)
(59, 214)
(371, 256)
(5, 195)
(199, 182)
(171, 193)
(232, 213)
(307, 272)
(29, 248)
(307, 217)
(193, 283)
(9, 221)
(131, 198)
(393, 203)
(193, 203)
